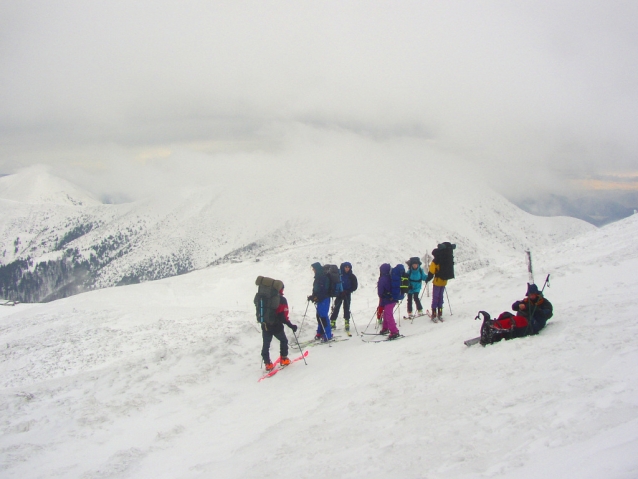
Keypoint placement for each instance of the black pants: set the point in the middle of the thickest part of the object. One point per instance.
(267, 335)
(337, 306)
(417, 302)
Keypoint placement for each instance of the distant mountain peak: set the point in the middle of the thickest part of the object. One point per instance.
(36, 185)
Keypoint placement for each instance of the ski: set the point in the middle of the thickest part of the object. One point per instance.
(382, 340)
(408, 318)
(473, 341)
(270, 374)
(335, 339)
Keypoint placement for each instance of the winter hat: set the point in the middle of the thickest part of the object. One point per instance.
(414, 260)
(532, 289)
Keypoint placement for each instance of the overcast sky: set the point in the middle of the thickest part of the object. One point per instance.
(547, 88)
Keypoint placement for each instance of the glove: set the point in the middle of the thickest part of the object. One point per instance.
(379, 312)
(294, 328)
(312, 298)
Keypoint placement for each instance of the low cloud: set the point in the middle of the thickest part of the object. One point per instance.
(531, 95)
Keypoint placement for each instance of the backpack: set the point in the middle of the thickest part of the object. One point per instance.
(400, 282)
(445, 258)
(267, 299)
(334, 275)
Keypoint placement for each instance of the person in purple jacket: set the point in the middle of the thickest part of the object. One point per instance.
(387, 302)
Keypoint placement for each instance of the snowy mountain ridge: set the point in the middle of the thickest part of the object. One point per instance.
(54, 250)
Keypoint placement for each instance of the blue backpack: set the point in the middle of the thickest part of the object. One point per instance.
(400, 282)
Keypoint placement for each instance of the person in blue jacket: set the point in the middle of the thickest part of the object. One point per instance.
(350, 284)
(417, 275)
(321, 297)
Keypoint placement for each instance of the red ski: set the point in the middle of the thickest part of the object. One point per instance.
(270, 374)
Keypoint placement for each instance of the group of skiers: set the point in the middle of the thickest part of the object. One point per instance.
(329, 282)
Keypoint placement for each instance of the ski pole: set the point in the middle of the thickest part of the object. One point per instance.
(304, 317)
(355, 325)
(373, 315)
(448, 300)
(299, 346)
(529, 328)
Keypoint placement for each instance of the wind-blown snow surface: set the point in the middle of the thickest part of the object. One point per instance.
(160, 379)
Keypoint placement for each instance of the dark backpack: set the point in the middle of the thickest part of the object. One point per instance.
(445, 259)
(267, 299)
(400, 282)
(335, 286)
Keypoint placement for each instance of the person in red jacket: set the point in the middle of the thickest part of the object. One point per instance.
(276, 329)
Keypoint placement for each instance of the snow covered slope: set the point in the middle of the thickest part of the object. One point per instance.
(54, 250)
(160, 379)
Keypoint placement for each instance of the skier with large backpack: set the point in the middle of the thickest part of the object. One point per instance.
(416, 276)
(389, 293)
(532, 314)
(321, 297)
(441, 269)
(272, 313)
(349, 284)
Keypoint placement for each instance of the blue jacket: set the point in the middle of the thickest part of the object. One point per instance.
(416, 277)
(348, 280)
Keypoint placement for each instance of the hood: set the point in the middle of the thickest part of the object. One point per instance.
(317, 267)
(532, 289)
(343, 265)
(385, 269)
(412, 261)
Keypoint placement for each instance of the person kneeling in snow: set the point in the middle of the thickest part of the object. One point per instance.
(531, 316)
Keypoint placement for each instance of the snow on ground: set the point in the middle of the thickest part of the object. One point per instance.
(160, 379)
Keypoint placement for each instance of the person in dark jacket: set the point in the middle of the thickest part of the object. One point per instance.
(350, 284)
(534, 308)
(321, 297)
(387, 302)
(531, 316)
(276, 329)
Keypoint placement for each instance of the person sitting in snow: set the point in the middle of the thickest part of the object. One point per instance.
(532, 314)
(321, 297)
(276, 329)
(350, 284)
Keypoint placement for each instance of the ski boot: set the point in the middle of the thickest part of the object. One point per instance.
(285, 361)
(270, 366)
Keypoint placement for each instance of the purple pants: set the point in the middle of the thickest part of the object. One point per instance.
(437, 297)
(388, 318)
